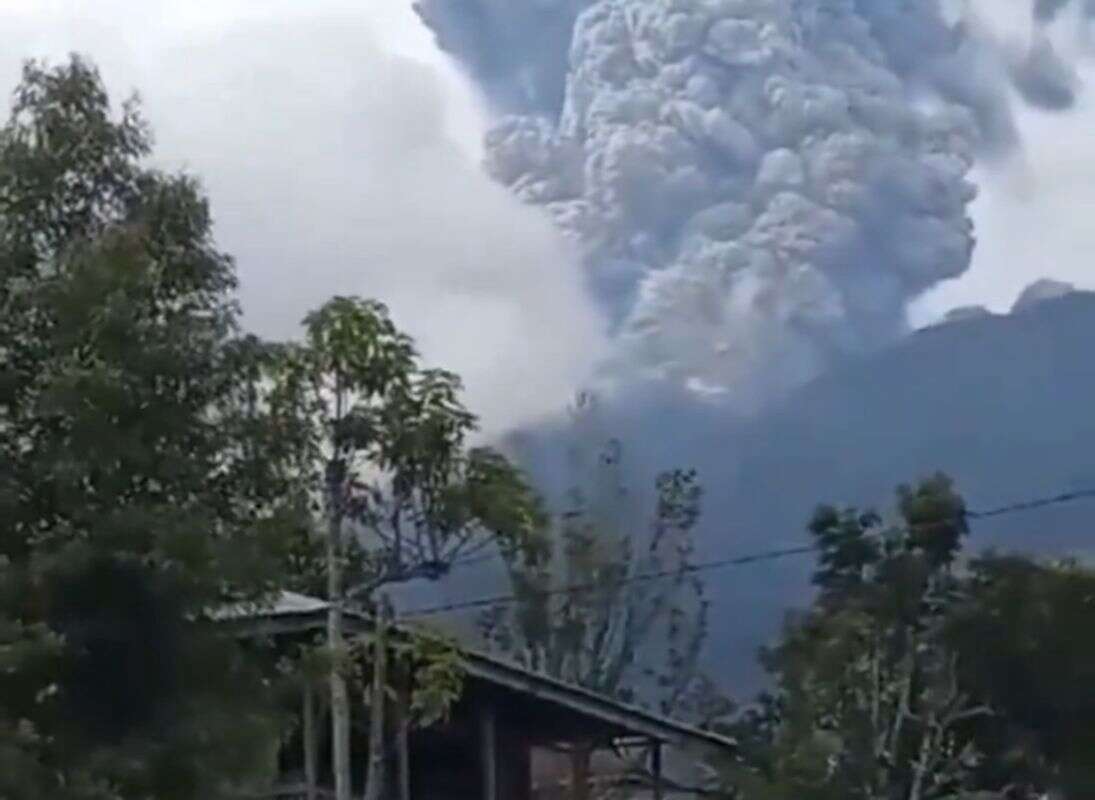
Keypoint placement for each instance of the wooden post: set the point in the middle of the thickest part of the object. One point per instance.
(340, 693)
(488, 747)
(310, 743)
(581, 756)
(376, 783)
(402, 742)
(656, 769)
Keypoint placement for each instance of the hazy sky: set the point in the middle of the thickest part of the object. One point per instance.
(1034, 215)
(340, 154)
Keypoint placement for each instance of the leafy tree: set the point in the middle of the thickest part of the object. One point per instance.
(383, 447)
(1023, 636)
(868, 701)
(914, 677)
(136, 490)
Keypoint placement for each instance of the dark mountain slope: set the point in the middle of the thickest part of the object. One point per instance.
(1004, 404)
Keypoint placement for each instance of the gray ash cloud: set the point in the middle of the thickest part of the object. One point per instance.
(759, 187)
(1048, 10)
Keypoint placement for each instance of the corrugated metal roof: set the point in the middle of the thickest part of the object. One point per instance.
(287, 604)
(297, 609)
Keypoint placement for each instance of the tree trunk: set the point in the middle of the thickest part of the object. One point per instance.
(340, 696)
(376, 779)
(922, 763)
(403, 736)
(488, 752)
(656, 770)
(580, 758)
(309, 734)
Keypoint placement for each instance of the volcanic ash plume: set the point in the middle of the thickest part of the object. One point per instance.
(759, 186)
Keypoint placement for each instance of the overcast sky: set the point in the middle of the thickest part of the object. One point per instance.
(1034, 215)
(340, 154)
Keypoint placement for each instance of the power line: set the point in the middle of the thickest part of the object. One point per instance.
(769, 555)
(1030, 505)
(486, 602)
(468, 561)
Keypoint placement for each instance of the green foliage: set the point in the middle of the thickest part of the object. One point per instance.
(1024, 638)
(637, 641)
(426, 664)
(915, 678)
(382, 450)
(438, 678)
(135, 490)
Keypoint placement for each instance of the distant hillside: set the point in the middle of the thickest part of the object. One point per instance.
(1004, 404)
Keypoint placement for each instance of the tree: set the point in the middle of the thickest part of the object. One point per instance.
(585, 614)
(868, 700)
(1024, 637)
(136, 492)
(915, 677)
(384, 450)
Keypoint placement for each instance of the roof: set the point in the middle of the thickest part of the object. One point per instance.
(296, 612)
(288, 604)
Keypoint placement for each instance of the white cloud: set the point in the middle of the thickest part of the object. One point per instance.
(1034, 214)
(336, 165)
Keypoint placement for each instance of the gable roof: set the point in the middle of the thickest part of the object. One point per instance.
(292, 612)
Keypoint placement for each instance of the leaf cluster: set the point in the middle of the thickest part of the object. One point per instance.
(384, 454)
(135, 491)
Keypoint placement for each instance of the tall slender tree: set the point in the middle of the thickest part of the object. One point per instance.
(402, 494)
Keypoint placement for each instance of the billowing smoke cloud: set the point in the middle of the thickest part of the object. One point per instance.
(760, 187)
(1043, 77)
(1047, 10)
(516, 50)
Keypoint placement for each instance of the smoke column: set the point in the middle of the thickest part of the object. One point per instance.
(759, 187)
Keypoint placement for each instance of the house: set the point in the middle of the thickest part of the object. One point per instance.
(487, 747)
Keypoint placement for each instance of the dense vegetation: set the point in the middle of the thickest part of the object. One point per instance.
(920, 674)
(156, 464)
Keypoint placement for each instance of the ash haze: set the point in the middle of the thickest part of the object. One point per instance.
(340, 154)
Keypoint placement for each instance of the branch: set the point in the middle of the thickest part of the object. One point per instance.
(903, 710)
(977, 711)
(427, 570)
